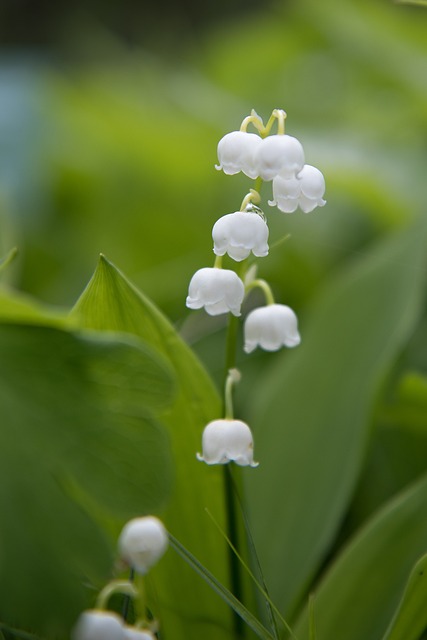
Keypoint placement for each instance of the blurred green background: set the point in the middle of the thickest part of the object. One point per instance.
(109, 120)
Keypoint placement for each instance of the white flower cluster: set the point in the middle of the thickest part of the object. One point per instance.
(279, 158)
(141, 544)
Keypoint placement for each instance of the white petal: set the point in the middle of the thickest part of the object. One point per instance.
(312, 182)
(309, 204)
(286, 187)
(279, 154)
(240, 233)
(142, 542)
(271, 327)
(236, 152)
(287, 205)
(218, 290)
(225, 441)
(98, 625)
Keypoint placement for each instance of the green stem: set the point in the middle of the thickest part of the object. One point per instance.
(115, 586)
(232, 378)
(234, 565)
(262, 284)
(235, 570)
(218, 262)
(231, 342)
(126, 600)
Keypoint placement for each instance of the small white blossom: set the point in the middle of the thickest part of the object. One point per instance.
(142, 542)
(271, 327)
(226, 441)
(217, 290)
(236, 152)
(279, 154)
(132, 633)
(98, 625)
(305, 191)
(240, 233)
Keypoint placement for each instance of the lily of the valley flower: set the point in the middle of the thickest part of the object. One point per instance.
(305, 191)
(142, 542)
(271, 328)
(98, 625)
(217, 290)
(240, 233)
(226, 441)
(236, 152)
(279, 154)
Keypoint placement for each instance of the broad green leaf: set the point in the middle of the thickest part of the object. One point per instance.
(18, 307)
(186, 608)
(311, 414)
(361, 591)
(410, 619)
(396, 456)
(74, 416)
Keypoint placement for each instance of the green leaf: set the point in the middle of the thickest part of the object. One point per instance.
(75, 422)
(110, 302)
(396, 456)
(410, 619)
(222, 591)
(358, 596)
(311, 414)
(18, 307)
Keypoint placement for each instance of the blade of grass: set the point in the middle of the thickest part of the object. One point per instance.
(222, 591)
(256, 582)
(255, 558)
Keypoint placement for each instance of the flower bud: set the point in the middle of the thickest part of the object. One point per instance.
(270, 328)
(240, 233)
(142, 542)
(98, 625)
(236, 152)
(305, 191)
(217, 290)
(224, 441)
(279, 154)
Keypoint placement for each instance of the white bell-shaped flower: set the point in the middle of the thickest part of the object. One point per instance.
(240, 233)
(236, 152)
(271, 328)
(217, 290)
(228, 441)
(142, 542)
(305, 191)
(279, 154)
(132, 633)
(98, 625)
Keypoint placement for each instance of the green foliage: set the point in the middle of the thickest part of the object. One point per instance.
(362, 589)
(410, 619)
(312, 411)
(224, 593)
(101, 411)
(110, 302)
(76, 432)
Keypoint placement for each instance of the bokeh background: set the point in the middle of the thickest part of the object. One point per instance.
(110, 114)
